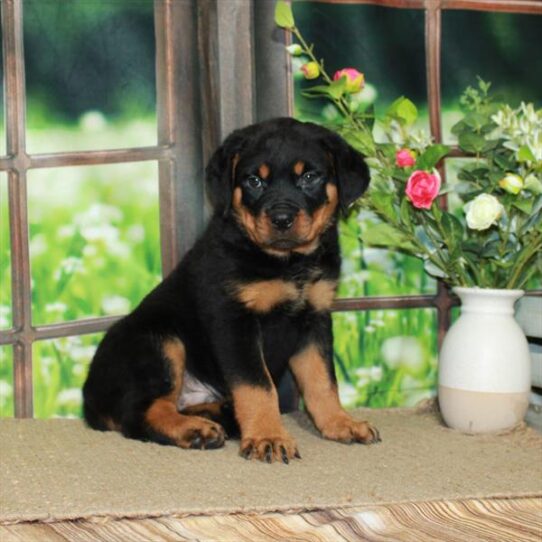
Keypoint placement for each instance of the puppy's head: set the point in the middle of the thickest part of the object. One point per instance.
(284, 182)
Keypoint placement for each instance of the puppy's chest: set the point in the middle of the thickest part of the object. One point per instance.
(296, 294)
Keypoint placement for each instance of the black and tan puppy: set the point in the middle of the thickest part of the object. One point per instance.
(248, 301)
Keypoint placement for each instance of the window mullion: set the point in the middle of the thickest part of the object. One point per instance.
(15, 99)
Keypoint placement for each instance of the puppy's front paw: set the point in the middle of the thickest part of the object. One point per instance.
(201, 434)
(269, 448)
(344, 428)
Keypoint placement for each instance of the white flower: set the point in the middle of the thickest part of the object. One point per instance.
(82, 353)
(6, 391)
(402, 351)
(38, 245)
(115, 305)
(369, 374)
(56, 307)
(347, 394)
(92, 121)
(136, 233)
(69, 396)
(5, 313)
(69, 266)
(483, 211)
(99, 213)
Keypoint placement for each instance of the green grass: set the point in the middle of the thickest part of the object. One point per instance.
(94, 244)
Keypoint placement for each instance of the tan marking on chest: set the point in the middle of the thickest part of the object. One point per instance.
(321, 294)
(264, 295)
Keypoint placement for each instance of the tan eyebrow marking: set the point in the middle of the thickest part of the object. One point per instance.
(299, 166)
(264, 171)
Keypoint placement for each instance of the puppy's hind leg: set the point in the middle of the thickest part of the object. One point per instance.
(164, 424)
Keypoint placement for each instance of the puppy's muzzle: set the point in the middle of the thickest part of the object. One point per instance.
(282, 217)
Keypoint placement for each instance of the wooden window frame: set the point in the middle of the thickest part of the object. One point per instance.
(195, 49)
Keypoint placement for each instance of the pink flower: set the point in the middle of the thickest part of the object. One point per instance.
(405, 158)
(422, 188)
(354, 79)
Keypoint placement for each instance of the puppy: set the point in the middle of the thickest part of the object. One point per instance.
(206, 348)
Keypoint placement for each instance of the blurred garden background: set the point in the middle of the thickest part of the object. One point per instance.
(94, 230)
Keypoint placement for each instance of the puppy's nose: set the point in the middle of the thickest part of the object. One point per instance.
(282, 220)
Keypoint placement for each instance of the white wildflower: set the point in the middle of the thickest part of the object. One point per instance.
(6, 391)
(58, 306)
(92, 121)
(70, 396)
(69, 266)
(5, 316)
(402, 351)
(115, 305)
(38, 245)
(372, 374)
(347, 394)
(80, 353)
(136, 233)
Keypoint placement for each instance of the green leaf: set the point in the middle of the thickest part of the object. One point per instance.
(403, 110)
(434, 270)
(283, 15)
(459, 128)
(452, 228)
(533, 184)
(405, 210)
(525, 154)
(524, 205)
(361, 141)
(385, 235)
(383, 204)
(316, 92)
(471, 142)
(432, 155)
(336, 88)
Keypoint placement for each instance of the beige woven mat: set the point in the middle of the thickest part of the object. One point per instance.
(58, 469)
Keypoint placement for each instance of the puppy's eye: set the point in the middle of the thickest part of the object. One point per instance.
(254, 182)
(309, 178)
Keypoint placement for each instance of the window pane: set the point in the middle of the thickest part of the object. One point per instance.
(6, 382)
(387, 45)
(59, 370)
(498, 47)
(369, 271)
(385, 358)
(5, 256)
(90, 74)
(368, 38)
(94, 239)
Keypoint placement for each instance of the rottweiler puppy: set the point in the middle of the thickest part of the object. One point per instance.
(207, 347)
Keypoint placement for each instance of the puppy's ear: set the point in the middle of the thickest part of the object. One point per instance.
(351, 171)
(220, 171)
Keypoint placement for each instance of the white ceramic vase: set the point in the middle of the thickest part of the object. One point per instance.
(484, 364)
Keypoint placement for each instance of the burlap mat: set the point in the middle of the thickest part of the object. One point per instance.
(58, 469)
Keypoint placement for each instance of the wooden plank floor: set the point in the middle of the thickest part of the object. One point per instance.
(497, 520)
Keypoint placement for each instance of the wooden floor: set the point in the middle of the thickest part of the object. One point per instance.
(497, 520)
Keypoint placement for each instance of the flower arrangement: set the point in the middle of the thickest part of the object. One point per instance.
(494, 237)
